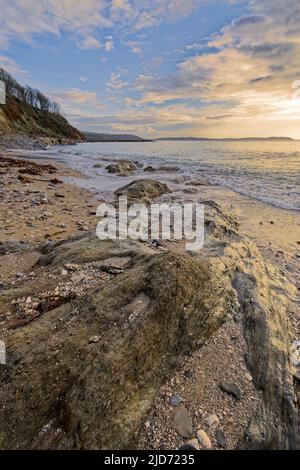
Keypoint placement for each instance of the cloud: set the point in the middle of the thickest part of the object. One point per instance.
(11, 66)
(29, 20)
(89, 43)
(75, 95)
(109, 44)
(115, 82)
(83, 78)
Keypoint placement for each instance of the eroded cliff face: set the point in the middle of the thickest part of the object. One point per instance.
(101, 325)
(22, 126)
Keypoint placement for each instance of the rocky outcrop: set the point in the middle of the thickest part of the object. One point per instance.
(83, 375)
(87, 352)
(144, 190)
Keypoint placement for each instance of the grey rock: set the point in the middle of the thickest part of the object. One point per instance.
(221, 439)
(175, 400)
(183, 422)
(231, 389)
(189, 373)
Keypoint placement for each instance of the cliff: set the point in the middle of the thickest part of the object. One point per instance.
(24, 123)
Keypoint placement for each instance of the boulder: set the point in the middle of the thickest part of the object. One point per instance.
(144, 190)
(86, 380)
(123, 167)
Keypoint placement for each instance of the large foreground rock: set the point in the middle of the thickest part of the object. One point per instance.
(83, 374)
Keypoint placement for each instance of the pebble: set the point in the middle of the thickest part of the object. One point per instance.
(248, 377)
(94, 339)
(189, 373)
(183, 422)
(231, 389)
(203, 439)
(175, 400)
(194, 443)
(212, 421)
(20, 274)
(187, 447)
(221, 438)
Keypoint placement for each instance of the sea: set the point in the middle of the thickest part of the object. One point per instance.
(268, 171)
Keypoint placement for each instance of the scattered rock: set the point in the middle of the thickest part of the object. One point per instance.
(204, 439)
(231, 389)
(94, 339)
(19, 274)
(13, 246)
(194, 444)
(213, 421)
(183, 422)
(187, 447)
(149, 169)
(143, 190)
(175, 400)
(189, 373)
(121, 167)
(169, 168)
(221, 438)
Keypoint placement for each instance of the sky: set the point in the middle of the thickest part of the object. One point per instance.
(212, 68)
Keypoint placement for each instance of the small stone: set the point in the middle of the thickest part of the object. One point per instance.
(94, 339)
(183, 422)
(187, 447)
(20, 274)
(212, 421)
(72, 267)
(295, 359)
(189, 373)
(175, 400)
(221, 438)
(194, 443)
(64, 272)
(147, 425)
(203, 439)
(248, 377)
(60, 195)
(231, 389)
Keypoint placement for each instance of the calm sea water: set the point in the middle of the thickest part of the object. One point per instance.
(267, 171)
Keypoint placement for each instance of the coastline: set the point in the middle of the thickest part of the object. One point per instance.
(69, 210)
